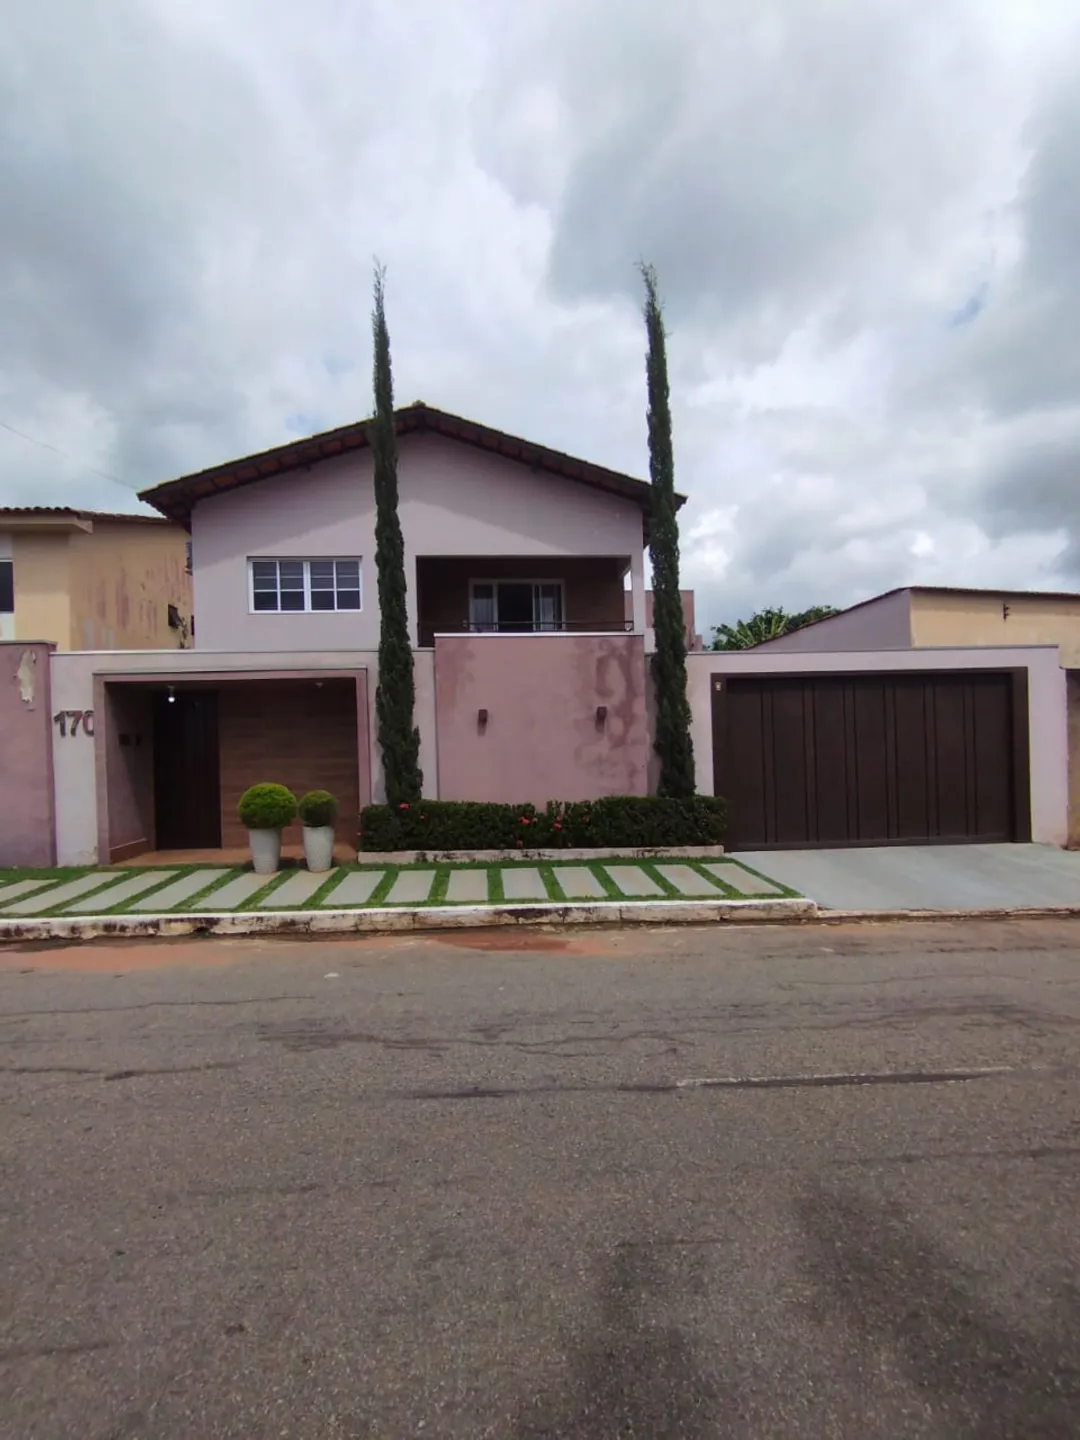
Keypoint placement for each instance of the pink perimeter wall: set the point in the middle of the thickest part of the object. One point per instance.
(542, 739)
(27, 836)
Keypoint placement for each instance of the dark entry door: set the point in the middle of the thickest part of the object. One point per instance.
(187, 772)
(872, 759)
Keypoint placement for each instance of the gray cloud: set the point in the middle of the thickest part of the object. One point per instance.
(864, 219)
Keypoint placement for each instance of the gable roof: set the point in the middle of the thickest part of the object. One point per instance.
(177, 498)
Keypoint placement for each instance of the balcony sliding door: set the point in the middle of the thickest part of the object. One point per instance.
(516, 605)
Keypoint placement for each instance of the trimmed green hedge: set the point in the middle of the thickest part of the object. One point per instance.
(617, 820)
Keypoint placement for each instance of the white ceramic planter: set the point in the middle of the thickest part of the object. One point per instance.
(319, 846)
(265, 851)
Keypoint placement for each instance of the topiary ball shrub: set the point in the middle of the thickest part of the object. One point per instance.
(318, 808)
(267, 807)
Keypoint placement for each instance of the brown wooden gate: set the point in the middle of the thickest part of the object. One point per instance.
(882, 759)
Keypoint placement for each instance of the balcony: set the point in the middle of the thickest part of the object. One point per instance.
(459, 595)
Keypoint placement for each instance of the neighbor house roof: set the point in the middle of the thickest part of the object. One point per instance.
(177, 498)
(60, 515)
(938, 590)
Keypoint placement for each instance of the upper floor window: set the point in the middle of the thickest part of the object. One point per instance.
(277, 585)
(7, 587)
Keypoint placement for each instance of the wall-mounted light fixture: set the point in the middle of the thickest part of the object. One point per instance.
(171, 695)
(481, 718)
(601, 715)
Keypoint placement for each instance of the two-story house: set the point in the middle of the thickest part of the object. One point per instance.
(527, 612)
(530, 625)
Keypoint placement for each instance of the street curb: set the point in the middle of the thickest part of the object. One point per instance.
(507, 857)
(998, 912)
(394, 921)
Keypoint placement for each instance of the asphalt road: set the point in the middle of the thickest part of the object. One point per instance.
(358, 1189)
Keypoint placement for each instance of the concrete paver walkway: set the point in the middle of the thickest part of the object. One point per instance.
(178, 892)
(355, 889)
(927, 877)
(578, 883)
(48, 899)
(211, 891)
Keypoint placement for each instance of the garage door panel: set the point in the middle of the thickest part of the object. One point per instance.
(916, 816)
(869, 759)
(790, 745)
(740, 771)
(952, 747)
(831, 717)
(871, 762)
(993, 780)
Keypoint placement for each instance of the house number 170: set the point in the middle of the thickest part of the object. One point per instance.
(70, 720)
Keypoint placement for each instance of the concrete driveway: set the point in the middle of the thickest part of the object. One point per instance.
(927, 877)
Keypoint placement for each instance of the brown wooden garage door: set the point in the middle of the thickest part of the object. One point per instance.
(872, 759)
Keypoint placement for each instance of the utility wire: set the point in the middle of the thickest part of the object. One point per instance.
(73, 458)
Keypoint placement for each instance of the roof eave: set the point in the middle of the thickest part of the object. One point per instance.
(176, 499)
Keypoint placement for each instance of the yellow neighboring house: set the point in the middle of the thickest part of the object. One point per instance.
(91, 581)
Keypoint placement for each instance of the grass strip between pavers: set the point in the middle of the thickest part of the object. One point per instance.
(321, 899)
(611, 890)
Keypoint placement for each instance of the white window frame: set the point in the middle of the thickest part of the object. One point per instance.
(560, 585)
(306, 561)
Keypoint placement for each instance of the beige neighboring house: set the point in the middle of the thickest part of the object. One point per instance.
(84, 580)
(932, 616)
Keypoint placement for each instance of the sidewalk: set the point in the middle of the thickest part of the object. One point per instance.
(127, 890)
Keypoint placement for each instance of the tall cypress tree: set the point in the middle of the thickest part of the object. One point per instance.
(672, 743)
(395, 696)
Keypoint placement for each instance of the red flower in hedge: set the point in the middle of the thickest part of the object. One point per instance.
(518, 843)
(404, 805)
(524, 819)
(558, 825)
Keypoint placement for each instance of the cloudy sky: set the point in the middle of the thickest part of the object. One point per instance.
(865, 215)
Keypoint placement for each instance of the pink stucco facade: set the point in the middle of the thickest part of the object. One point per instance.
(455, 500)
(28, 835)
(565, 717)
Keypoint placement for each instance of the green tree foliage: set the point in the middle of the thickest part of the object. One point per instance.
(673, 743)
(766, 625)
(395, 696)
